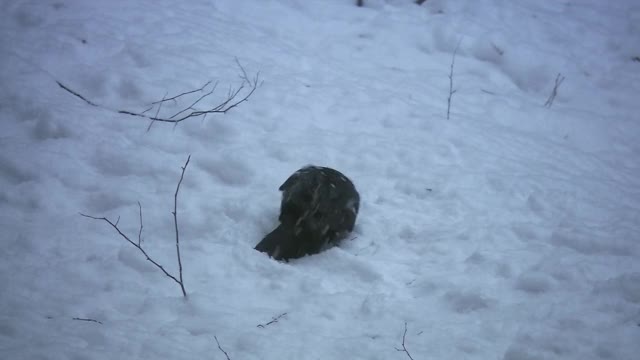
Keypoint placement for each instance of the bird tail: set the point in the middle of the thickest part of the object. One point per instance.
(280, 244)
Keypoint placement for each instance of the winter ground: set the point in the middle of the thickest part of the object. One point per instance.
(510, 231)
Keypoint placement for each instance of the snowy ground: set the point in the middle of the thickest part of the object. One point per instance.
(510, 231)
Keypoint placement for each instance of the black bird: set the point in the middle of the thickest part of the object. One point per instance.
(319, 206)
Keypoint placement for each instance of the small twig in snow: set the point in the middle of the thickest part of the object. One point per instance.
(180, 280)
(273, 320)
(221, 349)
(75, 94)
(404, 348)
(175, 220)
(233, 99)
(451, 90)
(174, 98)
(84, 319)
(554, 92)
(140, 231)
(157, 111)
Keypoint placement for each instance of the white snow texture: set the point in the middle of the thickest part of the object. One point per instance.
(510, 231)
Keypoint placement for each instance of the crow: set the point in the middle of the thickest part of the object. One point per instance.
(319, 206)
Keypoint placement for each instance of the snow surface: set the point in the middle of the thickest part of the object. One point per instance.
(510, 231)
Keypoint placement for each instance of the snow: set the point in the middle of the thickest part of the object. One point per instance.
(509, 231)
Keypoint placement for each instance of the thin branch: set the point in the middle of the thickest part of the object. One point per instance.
(190, 107)
(175, 220)
(138, 246)
(554, 92)
(157, 111)
(233, 100)
(148, 109)
(132, 243)
(182, 94)
(221, 349)
(76, 94)
(140, 231)
(273, 320)
(404, 348)
(83, 319)
(451, 90)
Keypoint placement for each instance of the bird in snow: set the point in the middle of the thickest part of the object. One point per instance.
(319, 206)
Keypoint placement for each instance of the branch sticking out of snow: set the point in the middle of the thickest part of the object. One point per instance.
(175, 221)
(179, 280)
(221, 349)
(451, 90)
(85, 319)
(273, 320)
(554, 92)
(234, 98)
(404, 348)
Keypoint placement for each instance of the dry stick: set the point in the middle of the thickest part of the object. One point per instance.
(273, 320)
(451, 90)
(140, 231)
(90, 320)
(231, 102)
(138, 246)
(175, 219)
(404, 348)
(115, 226)
(221, 349)
(554, 92)
(190, 107)
(182, 94)
(157, 111)
(76, 94)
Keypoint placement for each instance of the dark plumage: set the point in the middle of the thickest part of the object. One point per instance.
(319, 205)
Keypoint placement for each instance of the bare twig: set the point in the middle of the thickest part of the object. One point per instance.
(404, 348)
(451, 90)
(273, 320)
(181, 94)
(140, 231)
(190, 107)
(221, 349)
(133, 243)
(179, 280)
(554, 92)
(157, 111)
(249, 85)
(175, 220)
(83, 319)
(76, 94)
